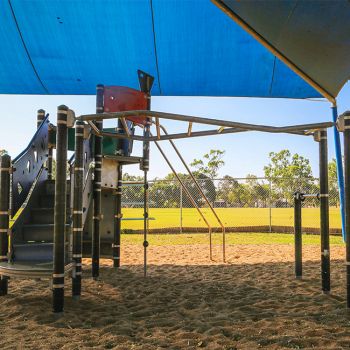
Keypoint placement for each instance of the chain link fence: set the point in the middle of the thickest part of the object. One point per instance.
(243, 205)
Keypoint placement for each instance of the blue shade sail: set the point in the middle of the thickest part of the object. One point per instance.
(314, 35)
(191, 47)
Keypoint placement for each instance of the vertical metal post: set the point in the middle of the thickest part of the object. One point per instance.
(40, 117)
(181, 217)
(97, 187)
(324, 211)
(298, 198)
(270, 207)
(118, 219)
(146, 82)
(50, 158)
(60, 209)
(340, 173)
(5, 169)
(145, 168)
(78, 209)
(347, 200)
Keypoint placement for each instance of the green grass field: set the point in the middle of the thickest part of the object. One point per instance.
(230, 217)
(231, 238)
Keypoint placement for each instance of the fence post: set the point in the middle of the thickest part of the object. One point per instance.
(5, 167)
(60, 210)
(270, 206)
(181, 228)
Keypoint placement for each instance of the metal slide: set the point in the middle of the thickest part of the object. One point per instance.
(189, 195)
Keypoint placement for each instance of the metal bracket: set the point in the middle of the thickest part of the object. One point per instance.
(145, 80)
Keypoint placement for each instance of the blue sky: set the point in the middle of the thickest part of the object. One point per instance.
(246, 153)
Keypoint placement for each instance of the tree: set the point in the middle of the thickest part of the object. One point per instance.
(235, 194)
(259, 192)
(210, 164)
(3, 152)
(288, 174)
(333, 183)
(132, 193)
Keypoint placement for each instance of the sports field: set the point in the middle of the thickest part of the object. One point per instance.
(231, 217)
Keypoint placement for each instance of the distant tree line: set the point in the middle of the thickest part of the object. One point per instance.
(285, 174)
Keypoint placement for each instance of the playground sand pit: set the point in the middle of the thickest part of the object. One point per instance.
(187, 302)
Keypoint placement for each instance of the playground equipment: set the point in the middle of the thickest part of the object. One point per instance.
(57, 222)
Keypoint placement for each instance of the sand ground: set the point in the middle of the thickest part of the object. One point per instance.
(187, 302)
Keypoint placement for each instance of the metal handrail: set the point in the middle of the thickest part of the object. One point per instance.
(202, 193)
(209, 121)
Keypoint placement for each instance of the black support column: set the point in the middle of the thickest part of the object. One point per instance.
(78, 208)
(60, 210)
(5, 169)
(324, 211)
(346, 116)
(50, 155)
(97, 187)
(298, 199)
(118, 218)
(146, 82)
(40, 117)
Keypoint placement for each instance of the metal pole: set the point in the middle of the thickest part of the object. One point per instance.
(5, 169)
(78, 209)
(298, 198)
(347, 199)
(145, 168)
(118, 219)
(50, 154)
(40, 117)
(340, 173)
(146, 83)
(324, 211)
(181, 218)
(60, 210)
(270, 207)
(97, 187)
